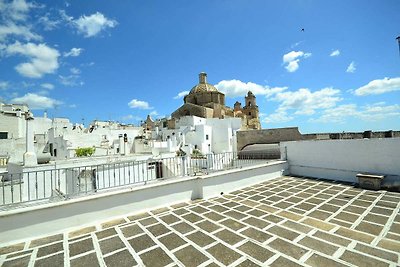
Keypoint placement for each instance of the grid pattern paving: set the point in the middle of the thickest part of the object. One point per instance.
(289, 221)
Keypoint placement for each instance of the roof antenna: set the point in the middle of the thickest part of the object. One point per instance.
(398, 40)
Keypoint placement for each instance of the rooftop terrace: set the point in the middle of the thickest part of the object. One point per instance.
(287, 221)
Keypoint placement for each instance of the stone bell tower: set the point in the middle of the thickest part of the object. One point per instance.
(251, 111)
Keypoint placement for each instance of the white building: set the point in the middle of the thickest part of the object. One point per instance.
(58, 138)
(210, 135)
(108, 138)
(13, 129)
(12, 121)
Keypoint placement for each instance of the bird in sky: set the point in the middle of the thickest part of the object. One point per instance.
(302, 29)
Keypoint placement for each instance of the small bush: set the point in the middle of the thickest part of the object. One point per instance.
(197, 154)
(85, 151)
(180, 153)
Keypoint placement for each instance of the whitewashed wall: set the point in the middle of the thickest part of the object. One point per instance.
(343, 159)
(41, 125)
(15, 126)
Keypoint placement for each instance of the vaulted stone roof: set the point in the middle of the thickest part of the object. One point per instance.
(203, 86)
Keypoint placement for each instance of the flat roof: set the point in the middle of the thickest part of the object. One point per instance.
(288, 221)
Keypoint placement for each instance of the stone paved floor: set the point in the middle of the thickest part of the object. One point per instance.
(287, 221)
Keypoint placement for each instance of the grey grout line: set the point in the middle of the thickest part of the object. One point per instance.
(33, 257)
(218, 240)
(206, 263)
(339, 252)
(170, 253)
(66, 250)
(271, 186)
(97, 250)
(128, 247)
(26, 245)
(336, 257)
(272, 259)
(367, 210)
(371, 256)
(236, 262)
(113, 252)
(299, 238)
(389, 223)
(306, 256)
(352, 245)
(82, 254)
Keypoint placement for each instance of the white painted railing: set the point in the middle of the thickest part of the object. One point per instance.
(64, 183)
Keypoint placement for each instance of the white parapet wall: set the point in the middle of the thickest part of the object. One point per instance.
(342, 159)
(67, 215)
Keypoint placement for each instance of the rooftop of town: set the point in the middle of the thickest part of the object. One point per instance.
(286, 221)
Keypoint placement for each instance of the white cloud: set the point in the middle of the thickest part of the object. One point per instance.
(127, 117)
(43, 59)
(351, 68)
(75, 71)
(74, 52)
(19, 31)
(337, 114)
(379, 111)
(91, 25)
(70, 80)
(42, 92)
(374, 112)
(377, 87)
(154, 113)
(335, 53)
(235, 88)
(35, 101)
(48, 23)
(181, 94)
(3, 85)
(27, 84)
(48, 86)
(292, 59)
(130, 118)
(13, 16)
(16, 10)
(296, 44)
(134, 103)
(302, 102)
(293, 65)
(279, 116)
(90, 64)
(306, 102)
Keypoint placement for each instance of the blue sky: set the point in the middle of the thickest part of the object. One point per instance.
(89, 60)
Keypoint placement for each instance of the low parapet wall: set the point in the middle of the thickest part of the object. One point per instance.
(341, 160)
(267, 136)
(62, 216)
(275, 136)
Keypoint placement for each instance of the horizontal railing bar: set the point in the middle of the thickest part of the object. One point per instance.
(68, 182)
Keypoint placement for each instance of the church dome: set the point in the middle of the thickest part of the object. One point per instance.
(203, 86)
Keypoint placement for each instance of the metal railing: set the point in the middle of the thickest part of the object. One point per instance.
(55, 184)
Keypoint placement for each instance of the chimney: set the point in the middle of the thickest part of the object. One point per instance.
(203, 77)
